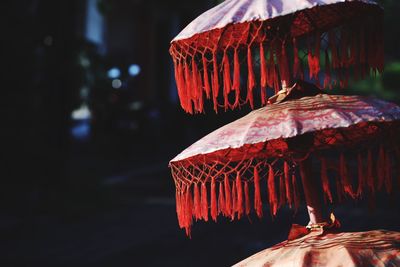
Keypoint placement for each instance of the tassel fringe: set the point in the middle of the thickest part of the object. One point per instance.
(232, 200)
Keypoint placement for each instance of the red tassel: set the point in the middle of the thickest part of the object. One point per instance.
(296, 60)
(215, 83)
(277, 85)
(246, 198)
(250, 77)
(194, 79)
(327, 79)
(370, 175)
(257, 194)
(204, 202)
(296, 194)
(196, 202)
(239, 203)
(273, 199)
(228, 197)
(236, 77)
(200, 104)
(282, 191)
(361, 180)
(345, 177)
(381, 168)
(227, 80)
(388, 174)
(206, 82)
(313, 58)
(234, 201)
(221, 200)
(188, 86)
(325, 180)
(263, 71)
(214, 211)
(178, 198)
(179, 86)
(188, 211)
(283, 63)
(288, 183)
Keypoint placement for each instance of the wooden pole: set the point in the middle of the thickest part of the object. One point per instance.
(312, 191)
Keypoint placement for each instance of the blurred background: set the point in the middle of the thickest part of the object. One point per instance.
(90, 119)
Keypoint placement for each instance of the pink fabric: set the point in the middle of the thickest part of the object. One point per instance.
(374, 248)
(240, 11)
(293, 118)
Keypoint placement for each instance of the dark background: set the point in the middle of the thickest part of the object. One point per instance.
(84, 178)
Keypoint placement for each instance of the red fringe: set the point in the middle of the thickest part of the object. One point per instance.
(273, 199)
(236, 77)
(370, 175)
(228, 197)
(239, 204)
(214, 211)
(325, 180)
(263, 71)
(313, 58)
(250, 78)
(345, 177)
(179, 86)
(327, 79)
(204, 202)
(207, 87)
(288, 190)
(277, 85)
(361, 179)
(195, 93)
(188, 213)
(247, 198)
(221, 200)
(200, 93)
(188, 86)
(215, 83)
(296, 60)
(178, 197)
(234, 201)
(196, 202)
(257, 194)
(227, 80)
(381, 168)
(283, 63)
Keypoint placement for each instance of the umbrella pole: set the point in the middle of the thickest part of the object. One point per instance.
(312, 192)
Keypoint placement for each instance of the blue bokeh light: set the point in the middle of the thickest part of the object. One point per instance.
(113, 73)
(134, 70)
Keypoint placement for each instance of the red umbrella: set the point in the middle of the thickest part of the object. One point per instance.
(273, 145)
(373, 248)
(337, 38)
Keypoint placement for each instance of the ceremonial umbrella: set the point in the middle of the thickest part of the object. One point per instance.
(263, 153)
(270, 41)
(374, 248)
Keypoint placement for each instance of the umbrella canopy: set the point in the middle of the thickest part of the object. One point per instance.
(374, 248)
(269, 143)
(272, 38)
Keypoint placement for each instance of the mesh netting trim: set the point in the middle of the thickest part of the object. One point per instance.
(234, 189)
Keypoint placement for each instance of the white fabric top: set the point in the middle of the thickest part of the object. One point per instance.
(293, 118)
(239, 11)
